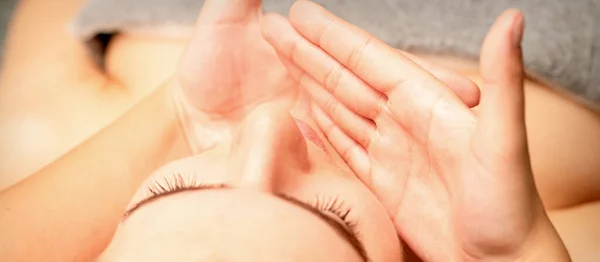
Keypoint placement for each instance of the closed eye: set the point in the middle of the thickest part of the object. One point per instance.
(322, 207)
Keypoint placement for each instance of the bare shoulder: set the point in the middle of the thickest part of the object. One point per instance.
(564, 139)
(579, 229)
(52, 95)
(39, 42)
(38, 56)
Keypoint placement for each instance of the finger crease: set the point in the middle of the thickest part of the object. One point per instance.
(322, 31)
(330, 106)
(332, 79)
(356, 55)
(347, 152)
(294, 50)
(380, 105)
(330, 128)
(365, 140)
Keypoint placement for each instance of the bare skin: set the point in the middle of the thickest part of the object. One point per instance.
(434, 163)
(70, 101)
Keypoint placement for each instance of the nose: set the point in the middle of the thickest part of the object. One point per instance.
(267, 149)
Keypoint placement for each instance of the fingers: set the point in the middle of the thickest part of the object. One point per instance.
(229, 11)
(379, 65)
(355, 126)
(501, 123)
(328, 72)
(357, 69)
(462, 86)
(351, 152)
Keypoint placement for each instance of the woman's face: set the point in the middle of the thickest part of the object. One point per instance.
(276, 192)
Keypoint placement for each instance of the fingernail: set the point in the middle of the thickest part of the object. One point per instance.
(517, 29)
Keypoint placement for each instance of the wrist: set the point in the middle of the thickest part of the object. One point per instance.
(163, 111)
(539, 241)
(200, 131)
(181, 146)
(184, 113)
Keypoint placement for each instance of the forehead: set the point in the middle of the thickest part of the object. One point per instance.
(232, 224)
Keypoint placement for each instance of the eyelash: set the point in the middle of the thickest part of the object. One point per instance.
(181, 182)
(336, 206)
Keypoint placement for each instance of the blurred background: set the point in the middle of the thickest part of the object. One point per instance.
(6, 7)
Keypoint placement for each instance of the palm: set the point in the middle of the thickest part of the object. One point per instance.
(228, 66)
(436, 193)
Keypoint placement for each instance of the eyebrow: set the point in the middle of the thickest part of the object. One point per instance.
(337, 226)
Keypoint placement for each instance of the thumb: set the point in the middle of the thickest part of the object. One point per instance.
(229, 11)
(501, 119)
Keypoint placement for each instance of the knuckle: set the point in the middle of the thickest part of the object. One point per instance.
(319, 37)
(295, 49)
(303, 79)
(327, 128)
(365, 138)
(347, 152)
(332, 79)
(331, 106)
(357, 53)
(379, 107)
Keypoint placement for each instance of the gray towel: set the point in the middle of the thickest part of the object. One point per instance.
(6, 10)
(561, 43)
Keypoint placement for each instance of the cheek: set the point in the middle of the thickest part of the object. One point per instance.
(328, 164)
(374, 225)
(378, 230)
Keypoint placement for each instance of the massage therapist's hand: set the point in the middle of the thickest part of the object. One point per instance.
(457, 184)
(229, 68)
